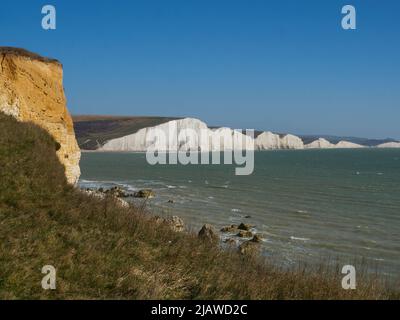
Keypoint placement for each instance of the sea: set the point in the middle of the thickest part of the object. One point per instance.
(309, 206)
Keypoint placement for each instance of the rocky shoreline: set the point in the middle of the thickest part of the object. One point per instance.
(242, 236)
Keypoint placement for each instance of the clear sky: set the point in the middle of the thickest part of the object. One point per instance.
(285, 66)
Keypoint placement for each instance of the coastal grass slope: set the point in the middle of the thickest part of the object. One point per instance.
(104, 251)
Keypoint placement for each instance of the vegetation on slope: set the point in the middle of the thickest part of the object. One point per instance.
(25, 53)
(94, 131)
(335, 139)
(101, 250)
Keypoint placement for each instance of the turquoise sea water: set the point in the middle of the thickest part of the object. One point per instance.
(309, 205)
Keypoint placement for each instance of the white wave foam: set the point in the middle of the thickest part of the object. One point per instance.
(299, 239)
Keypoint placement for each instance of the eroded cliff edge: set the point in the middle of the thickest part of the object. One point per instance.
(31, 89)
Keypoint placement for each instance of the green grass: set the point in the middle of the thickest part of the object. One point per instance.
(103, 251)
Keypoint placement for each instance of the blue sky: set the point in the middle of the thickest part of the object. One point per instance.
(285, 66)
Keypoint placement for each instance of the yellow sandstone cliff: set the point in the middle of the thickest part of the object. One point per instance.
(31, 89)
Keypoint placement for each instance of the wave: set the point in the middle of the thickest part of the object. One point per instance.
(299, 239)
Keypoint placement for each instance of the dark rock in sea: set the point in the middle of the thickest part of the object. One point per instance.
(232, 228)
(144, 193)
(170, 201)
(207, 233)
(252, 246)
(244, 226)
(257, 238)
(247, 217)
(117, 192)
(244, 234)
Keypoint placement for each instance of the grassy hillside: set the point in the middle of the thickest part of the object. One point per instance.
(101, 250)
(335, 139)
(93, 131)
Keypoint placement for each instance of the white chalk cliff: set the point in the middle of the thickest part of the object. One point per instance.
(191, 134)
(290, 141)
(228, 139)
(322, 143)
(269, 141)
(187, 134)
(348, 145)
(389, 145)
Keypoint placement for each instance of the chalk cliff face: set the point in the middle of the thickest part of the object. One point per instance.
(348, 145)
(163, 137)
(269, 141)
(389, 145)
(291, 142)
(31, 89)
(191, 134)
(321, 143)
(187, 134)
(229, 139)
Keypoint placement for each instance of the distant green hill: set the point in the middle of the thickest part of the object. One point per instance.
(335, 139)
(92, 131)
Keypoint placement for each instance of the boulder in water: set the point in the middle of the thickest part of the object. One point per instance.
(257, 238)
(144, 193)
(117, 192)
(232, 228)
(244, 226)
(244, 234)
